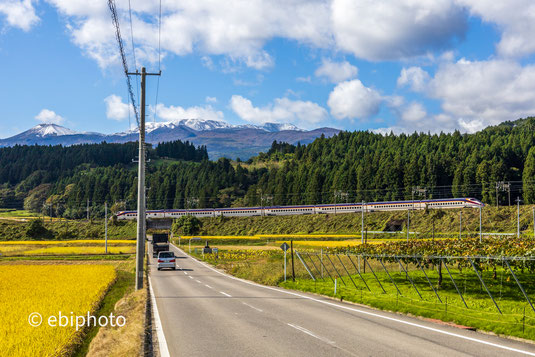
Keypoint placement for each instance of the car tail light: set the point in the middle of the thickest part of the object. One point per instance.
(172, 261)
(160, 261)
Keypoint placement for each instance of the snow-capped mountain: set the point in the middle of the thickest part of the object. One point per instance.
(43, 130)
(206, 124)
(221, 138)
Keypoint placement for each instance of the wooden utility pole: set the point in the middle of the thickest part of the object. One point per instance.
(141, 201)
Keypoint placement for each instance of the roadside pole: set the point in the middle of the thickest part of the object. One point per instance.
(106, 227)
(141, 215)
(518, 217)
(292, 253)
(408, 223)
(284, 265)
(480, 231)
(362, 223)
(460, 224)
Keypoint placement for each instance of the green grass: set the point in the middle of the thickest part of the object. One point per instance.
(481, 312)
(9, 213)
(66, 230)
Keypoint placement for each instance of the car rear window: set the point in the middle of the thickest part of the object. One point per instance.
(167, 255)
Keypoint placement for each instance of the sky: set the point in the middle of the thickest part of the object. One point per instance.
(390, 65)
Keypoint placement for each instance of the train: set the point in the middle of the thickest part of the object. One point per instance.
(307, 209)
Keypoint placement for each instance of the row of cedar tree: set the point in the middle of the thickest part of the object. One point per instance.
(348, 167)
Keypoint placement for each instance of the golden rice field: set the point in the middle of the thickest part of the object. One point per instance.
(69, 242)
(47, 290)
(331, 244)
(80, 250)
(275, 236)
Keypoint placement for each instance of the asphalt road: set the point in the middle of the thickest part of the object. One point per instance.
(204, 312)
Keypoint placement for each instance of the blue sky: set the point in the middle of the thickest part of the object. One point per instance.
(394, 65)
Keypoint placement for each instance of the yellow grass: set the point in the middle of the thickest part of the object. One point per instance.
(55, 242)
(220, 237)
(47, 290)
(80, 250)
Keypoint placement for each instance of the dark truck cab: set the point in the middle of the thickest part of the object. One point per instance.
(160, 243)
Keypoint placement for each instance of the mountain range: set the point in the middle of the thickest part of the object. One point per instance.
(221, 139)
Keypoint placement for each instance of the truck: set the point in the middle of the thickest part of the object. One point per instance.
(160, 243)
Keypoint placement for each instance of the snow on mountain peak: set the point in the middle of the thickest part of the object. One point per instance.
(43, 130)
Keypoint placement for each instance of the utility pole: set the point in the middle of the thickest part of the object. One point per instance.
(362, 222)
(518, 217)
(106, 227)
(460, 224)
(408, 223)
(480, 231)
(141, 215)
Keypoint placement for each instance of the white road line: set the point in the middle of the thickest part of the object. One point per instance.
(225, 294)
(368, 312)
(208, 286)
(304, 330)
(252, 307)
(186, 272)
(198, 281)
(190, 277)
(162, 343)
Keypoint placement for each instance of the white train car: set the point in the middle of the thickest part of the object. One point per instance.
(308, 209)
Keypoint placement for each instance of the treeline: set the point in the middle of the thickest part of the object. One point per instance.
(30, 174)
(348, 167)
(182, 150)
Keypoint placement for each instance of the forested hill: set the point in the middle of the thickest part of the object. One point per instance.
(347, 167)
(371, 166)
(23, 167)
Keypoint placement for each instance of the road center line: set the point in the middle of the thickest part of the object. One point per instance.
(365, 312)
(208, 286)
(225, 294)
(252, 307)
(198, 281)
(190, 277)
(304, 330)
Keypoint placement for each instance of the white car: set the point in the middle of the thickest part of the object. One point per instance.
(166, 260)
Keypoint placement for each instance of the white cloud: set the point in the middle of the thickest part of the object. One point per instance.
(302, 113)
(336, 71)
(116, 109)
(414, 112)
(239, 30)
(515, 19)
(394, 29)
(415, 77)
(19, 13)
(173, 113)
(49, 117)
(209, 99)
(488, 91)
(235, 28)
(352, 100)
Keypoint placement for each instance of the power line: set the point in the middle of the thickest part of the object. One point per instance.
(133, 47)
(115, 18)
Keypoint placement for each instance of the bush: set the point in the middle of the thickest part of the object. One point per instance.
(187, 225)
(37, 230)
